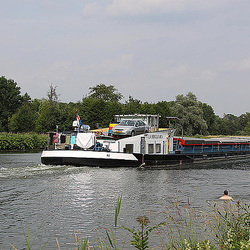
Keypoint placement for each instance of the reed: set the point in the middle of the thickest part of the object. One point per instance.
(229, 224)
(28, 241)
(184, 227)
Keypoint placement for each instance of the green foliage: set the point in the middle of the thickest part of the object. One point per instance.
(208, 115)
(132, 106)
(30, 243)
(113, 241)
(48, 117)
(163, 108)
(106, 93)
(21, 114)
(189, 110)
(10, 101)
(52, 94)
(9, 141)
(141, 236)
(23, 120)
(97, 112)
(67, 114)
(203, 245)
(247, 128)
(230, 224)
(93, 113)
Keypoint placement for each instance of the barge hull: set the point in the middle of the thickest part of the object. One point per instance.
(173, 159)
(88, 158)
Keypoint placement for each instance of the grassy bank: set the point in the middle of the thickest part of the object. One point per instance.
(225, 225)
(22, 142)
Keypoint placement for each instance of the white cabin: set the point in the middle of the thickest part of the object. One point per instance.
(150, 143)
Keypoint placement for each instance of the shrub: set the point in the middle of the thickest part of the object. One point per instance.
(16, 142)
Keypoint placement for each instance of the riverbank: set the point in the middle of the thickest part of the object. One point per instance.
(22, 142)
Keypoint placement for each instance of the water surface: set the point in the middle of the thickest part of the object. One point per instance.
(67, 199)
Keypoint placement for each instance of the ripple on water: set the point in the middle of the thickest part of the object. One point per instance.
(34, 170)
(66, 199)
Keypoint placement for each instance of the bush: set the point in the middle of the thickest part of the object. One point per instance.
(16, 142)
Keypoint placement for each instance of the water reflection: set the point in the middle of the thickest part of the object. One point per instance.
(68, 199)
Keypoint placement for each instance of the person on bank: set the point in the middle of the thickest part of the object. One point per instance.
(226, 196)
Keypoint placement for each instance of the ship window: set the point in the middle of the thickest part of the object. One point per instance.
(158, 148)
(150, 148)
(63, 138)
(129, 148)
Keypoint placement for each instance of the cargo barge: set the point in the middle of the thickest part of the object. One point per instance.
(160, 148)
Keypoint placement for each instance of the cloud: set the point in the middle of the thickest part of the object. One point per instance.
(243, 65)
(91, 9)
(144, 7)
(206, 75)
(176, 71)
(115, 65)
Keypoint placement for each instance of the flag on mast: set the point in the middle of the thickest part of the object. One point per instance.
(78, 121)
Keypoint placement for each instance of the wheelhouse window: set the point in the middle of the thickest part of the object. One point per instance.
(129, 148)
(158, 148)
(150, 148)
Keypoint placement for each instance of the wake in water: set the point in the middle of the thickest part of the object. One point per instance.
(31, 171)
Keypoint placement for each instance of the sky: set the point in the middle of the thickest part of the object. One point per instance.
(152, 50)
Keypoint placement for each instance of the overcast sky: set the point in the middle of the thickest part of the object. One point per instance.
(152, 50)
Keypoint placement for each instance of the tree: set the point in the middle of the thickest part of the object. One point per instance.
(106, 93)
(23, 120)
(48, 117)
(10, 101)
(189, 110)
(231, 122)
(243, 120)
(163, 109)
(132, 106)
(52, 94)
(247, 128)
(219, 127)
(93, 112)
(49, 113)
(67, 115)
(208, 115)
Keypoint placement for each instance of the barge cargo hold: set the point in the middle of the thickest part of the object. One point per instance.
(151, 149)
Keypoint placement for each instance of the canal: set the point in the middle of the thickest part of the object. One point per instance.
(64, 200)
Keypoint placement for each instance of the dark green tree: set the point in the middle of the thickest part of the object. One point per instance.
(52, 95)
(208, 115)
(10, 100)
(219, 127)
(23, 120)
(106, 93)
(94, 113)
(163, 109)
(247, 128)
(132, 106)
(189, 110)
(48, 118)
(243, 121)
(49, 115)
(68, 115)
(231, 122)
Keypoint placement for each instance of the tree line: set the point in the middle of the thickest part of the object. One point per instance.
(19, 113)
